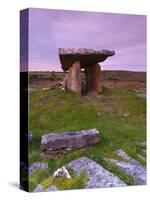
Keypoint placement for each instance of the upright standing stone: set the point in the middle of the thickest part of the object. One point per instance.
(93, 78)
(74, 80)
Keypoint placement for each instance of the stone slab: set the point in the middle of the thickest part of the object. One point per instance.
(131, 167)
(56, 142)
(98, 176)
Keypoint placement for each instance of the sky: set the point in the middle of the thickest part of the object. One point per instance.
(53, 29)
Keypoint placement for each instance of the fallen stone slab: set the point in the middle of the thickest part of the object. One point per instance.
(54, 143)
(98, 176)
(85, 56)
(38, 165)
(131, 167)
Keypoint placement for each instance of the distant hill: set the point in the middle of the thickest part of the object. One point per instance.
(106, 75)
(124, 75)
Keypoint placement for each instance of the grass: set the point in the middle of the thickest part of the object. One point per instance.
(57, 111)
(36, 177)
(63, 183)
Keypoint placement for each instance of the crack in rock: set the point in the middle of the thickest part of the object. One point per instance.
(132, 167)
(98, 176)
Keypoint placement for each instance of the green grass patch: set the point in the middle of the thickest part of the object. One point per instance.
(36, 177)
(63, 183)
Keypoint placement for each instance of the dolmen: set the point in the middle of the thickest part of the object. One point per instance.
(55, 143)
(73, 60)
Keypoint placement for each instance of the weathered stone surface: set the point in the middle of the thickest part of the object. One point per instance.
(98, 176)
(93, 78)
(73, 78)
(38, 165)
(56, 142)
(51, 188)
(38, 188)
(62, 172)
(132, 167)
(86, 57)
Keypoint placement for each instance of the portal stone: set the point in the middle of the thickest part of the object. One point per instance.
(93, 78)
(73, 79)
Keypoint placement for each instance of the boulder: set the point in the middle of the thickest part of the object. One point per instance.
(54, 143)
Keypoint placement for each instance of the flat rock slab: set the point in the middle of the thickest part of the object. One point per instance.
(131, 167)
(98, 176)
(58, 142)
(86, 57)
(39, 188)
(38, 165)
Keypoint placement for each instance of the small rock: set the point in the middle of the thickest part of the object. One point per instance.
(62, 172)
(38, 188)
(38, 165)
(51, 188)
(46, 89)
(108, 108)
(102, 97)
(98, 113)
(126, 114)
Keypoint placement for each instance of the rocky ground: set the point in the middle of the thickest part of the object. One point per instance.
(97, 175)
(119, 114)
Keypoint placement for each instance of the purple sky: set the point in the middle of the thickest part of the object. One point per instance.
(53, 29)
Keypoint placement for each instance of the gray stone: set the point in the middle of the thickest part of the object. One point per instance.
(126, 114)
(38, 188)
(102, 97)
(38, 165)
(62, 172)
(131, 167)
(51, 188)
(54, 143)
(98, 176)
